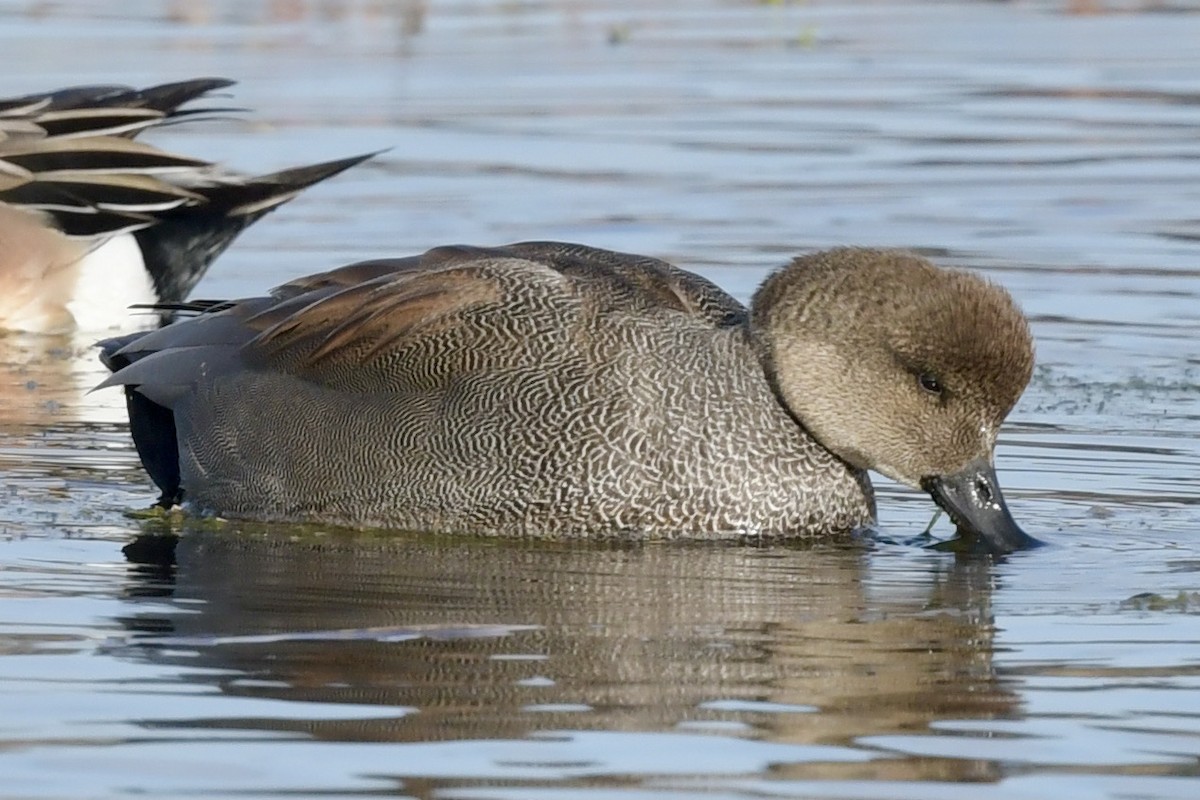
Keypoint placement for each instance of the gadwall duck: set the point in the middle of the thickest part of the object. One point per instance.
(555, 390)
(94, 221)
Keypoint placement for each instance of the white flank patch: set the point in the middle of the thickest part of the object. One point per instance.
(113, 277)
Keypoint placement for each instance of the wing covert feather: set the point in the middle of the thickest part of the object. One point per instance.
(426, 322)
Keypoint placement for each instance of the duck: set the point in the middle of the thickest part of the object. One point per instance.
(559, 391)
(94, 220)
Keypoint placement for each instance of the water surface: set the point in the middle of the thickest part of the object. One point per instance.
(1055, 150)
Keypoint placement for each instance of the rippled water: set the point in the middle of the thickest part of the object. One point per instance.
(1053, 145)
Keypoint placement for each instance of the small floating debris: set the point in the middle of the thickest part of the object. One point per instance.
(1188, 602)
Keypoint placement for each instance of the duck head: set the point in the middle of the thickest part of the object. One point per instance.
(899, 366)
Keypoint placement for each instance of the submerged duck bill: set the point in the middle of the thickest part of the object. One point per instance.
(973, 500)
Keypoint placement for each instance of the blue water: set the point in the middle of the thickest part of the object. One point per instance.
(1055, 150)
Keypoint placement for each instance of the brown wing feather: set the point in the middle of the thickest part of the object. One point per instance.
(354, 326)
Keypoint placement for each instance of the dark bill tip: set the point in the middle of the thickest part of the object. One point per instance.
(973, 499)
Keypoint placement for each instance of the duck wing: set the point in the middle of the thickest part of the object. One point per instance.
(93, 186)
(68, 155)
(102, 110)
(415, 323)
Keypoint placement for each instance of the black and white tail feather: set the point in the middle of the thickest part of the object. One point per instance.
(124, 221)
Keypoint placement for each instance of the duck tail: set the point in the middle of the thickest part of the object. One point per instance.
(152, 426)
(168, 97)
(184, 242)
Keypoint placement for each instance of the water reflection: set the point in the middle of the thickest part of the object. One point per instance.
(44, 380)
(497, 640)
(63, 452)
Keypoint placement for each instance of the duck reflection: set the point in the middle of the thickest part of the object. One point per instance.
(497, 639)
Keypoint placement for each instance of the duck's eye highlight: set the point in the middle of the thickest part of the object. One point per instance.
(929, 383)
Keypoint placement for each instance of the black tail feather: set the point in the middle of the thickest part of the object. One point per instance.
(166, 97)
(254, 197)
(179, 247)
(152, 426)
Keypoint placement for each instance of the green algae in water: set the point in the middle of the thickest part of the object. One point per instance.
(1186, 602)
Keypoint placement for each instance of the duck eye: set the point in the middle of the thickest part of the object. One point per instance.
(929, 383)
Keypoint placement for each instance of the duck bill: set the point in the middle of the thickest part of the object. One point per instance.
(973, 500)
